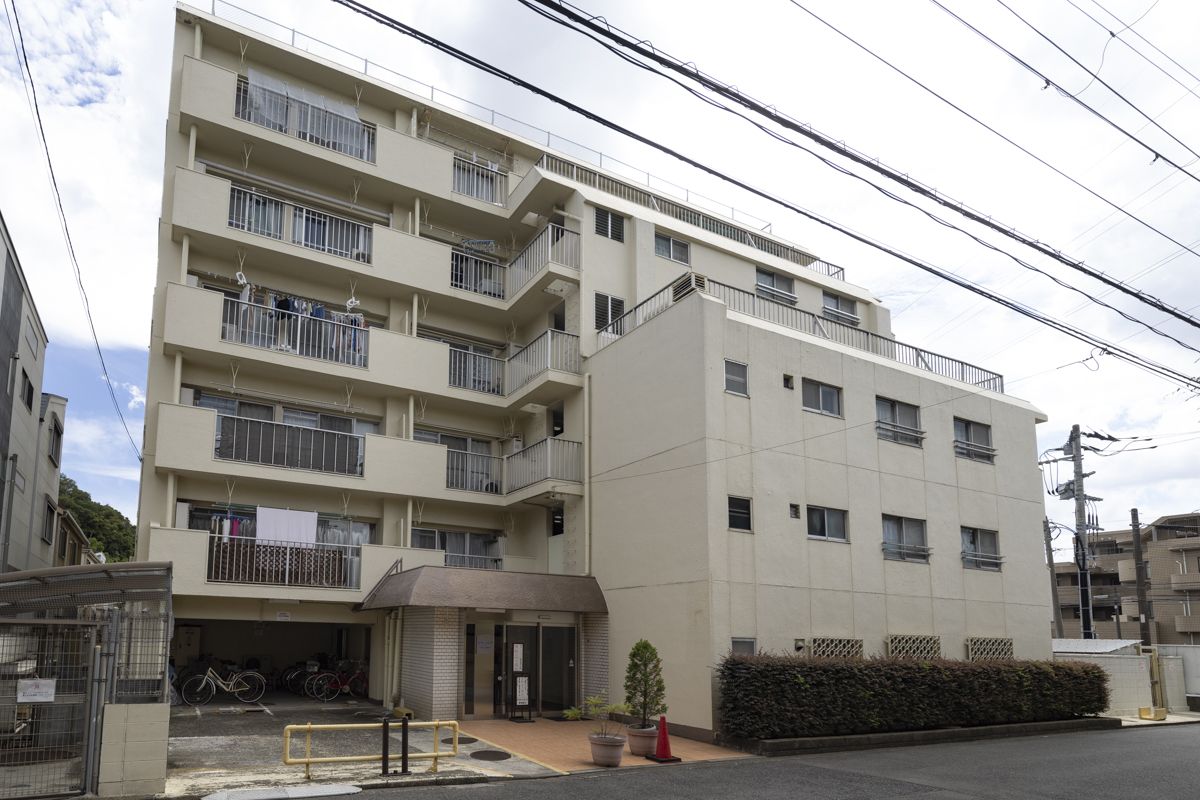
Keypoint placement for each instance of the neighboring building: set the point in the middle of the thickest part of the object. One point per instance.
(1171, 550)
(31, 428)
(71, 545)
(581, 413)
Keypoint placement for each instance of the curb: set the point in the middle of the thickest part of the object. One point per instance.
(448, 780)
(815, 745)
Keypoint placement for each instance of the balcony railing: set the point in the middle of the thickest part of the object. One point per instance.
(480, 181)
(800, 320)
(974, 452)
(255, 441)
(305, 120)
(288, 332)
(556, 459)
(896, 551)
(552, 350)
(257, 213)
(474, 562)
(476, 274)
(895, 432)
(476, 372)
(975, 560)
(474, 472)
(554, 245)
(233, 559)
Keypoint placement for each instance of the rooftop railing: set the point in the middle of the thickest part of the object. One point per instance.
(288, 332)
(285, 221)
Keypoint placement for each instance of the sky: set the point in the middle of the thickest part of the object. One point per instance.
(102, 74)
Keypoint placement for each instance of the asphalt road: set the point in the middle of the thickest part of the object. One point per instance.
(1159, 762)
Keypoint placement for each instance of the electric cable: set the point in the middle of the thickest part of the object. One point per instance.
(62, 216)
(1141, 362)
(1157, 155)
(1129, 27)
(692, 72)
(1111, 37)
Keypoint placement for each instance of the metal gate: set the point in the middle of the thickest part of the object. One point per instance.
(47, 717)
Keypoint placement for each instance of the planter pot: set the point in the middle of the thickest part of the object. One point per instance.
(607, 750)
(642, 741)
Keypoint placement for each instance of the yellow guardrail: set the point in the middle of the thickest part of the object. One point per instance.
(309, 760)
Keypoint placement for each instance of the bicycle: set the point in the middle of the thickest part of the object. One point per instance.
(325, 686)
(247, 686)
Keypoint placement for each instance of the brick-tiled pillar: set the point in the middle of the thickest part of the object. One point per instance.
(593, 652)
(431, 680)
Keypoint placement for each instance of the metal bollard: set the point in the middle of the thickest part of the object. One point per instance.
(404, 746)
(386, 763)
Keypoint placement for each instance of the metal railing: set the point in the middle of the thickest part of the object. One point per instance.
(771, 293)
(899, 433)
(474, 562)
(906, 552)
(239, 559)
(312, 337)
(644, 311)
(555, 244)
(975, 560)
(552, 350)
(307, 122)
(480, 181)
(276, 444)
(806, 322)
(383, 756)
(476, 372)
(474, 472)
(556, 459)
(256, 213)
(975, 452)
(476, 274)
(625, 191)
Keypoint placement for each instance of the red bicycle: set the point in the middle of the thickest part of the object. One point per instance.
(327, 684)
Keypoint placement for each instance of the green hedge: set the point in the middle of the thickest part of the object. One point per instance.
(779, 697)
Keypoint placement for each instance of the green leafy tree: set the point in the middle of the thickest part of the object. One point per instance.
(108, 530)
(645, 689)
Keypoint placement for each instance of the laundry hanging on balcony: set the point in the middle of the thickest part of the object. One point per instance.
(282, 525)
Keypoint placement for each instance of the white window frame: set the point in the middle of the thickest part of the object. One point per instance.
(673, 252)
(745, 379)
(51, 518)
(825, 512)
(605, 301)
(843, 310)
(743, 640)
(910, 547)
(892, 430)
(973, 556)
(970, 448)
(780, 288)
(749, 513)
(822, 388)
(605, 226)
(56, 440)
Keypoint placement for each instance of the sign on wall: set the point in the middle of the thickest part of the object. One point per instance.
(283, 616)
(484, 644)
(35, 690)
(518, 664)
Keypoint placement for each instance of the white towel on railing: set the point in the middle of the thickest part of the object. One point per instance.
(282, 525)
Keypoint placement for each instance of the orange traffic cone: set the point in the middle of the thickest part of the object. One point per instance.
(662, 753)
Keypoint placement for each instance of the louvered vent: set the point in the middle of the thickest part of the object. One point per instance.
(689, 283)
(908, 646)
(982, 648)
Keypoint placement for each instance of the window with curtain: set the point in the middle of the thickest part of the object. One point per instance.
(980, 549)
(826, 523)
(736, 378)
(840, 309)
(904, 539)
(774, 286)
(821, 398)
(898, 422)
(463, 548)
(973, 440)
(671, 248)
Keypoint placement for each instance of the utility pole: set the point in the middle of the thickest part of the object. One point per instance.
(1058, 628)
(1139, 566)
(1082, 556)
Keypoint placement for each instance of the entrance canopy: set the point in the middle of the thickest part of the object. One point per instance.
(456, 587)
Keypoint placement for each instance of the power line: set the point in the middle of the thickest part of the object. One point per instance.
(691, 71)
(1157, 155)
(1111, 37)
(31, 86)
(1129, 27)
(1139, 361)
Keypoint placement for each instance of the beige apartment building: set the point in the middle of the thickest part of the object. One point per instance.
(426, 392)
(1171, 551)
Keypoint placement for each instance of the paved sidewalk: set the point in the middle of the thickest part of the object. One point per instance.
(564, 748)
(1173, 718)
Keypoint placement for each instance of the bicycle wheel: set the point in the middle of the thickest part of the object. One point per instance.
(357, 687)
(198, 690)
(309, 682)
(249, 686)
(325, 687)
(295, 681)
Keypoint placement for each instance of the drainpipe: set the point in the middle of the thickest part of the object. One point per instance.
(406, 528)
(416, 228)
(12, 481)
(191, 162)
(172, 490)
(587, 474)
(411, 426)
(416, 301)
(178, 381)
(183, 259)
(37, 459)
(198, 44)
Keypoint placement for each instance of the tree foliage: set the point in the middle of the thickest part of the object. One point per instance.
(645, 689)
(108, 530)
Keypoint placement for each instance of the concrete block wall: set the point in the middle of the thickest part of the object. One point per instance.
(593, 651)
(1128, 681)
(133, 750)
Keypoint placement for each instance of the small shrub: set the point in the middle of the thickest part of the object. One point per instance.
(644, 685)
(779, 696)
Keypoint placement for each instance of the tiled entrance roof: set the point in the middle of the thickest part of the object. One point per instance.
(455, 587)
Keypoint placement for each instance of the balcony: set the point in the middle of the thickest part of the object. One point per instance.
(474, 472)
(281, 563)
(480, 181)
(552, 350)
(1187, 624)
(554, 245)
(281, 220)
(255, 441)
(1186, 583)
(549, 459)
(299, 334)
(308, 117)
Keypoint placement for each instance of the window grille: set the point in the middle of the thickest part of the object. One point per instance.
(983, 648)
(832, 647)
(904, 539)
(773, 286)
(973, 440)
(840, 309)
(898, 422)
(913, 646)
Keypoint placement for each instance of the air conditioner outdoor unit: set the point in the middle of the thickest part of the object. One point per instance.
(689, 283)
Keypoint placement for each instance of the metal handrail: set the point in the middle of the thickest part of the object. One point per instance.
(279, 444)
(480, 181)
(474, 472)
(973, 451)
(342, 130)
(554, 245)
(892, 431)
(243, 559)
(646, 310)
(557, 350)
(475, 274)
(257, 213)
(906, 552)
(771, 293)
(476, 372)
(309, 760)
(287, 331)
(548, 459)
(976, 560)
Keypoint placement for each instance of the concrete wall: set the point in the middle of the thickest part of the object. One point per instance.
(1129, 681)
(133, 750)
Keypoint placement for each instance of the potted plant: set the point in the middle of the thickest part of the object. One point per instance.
(644, 693)
(608, 745)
